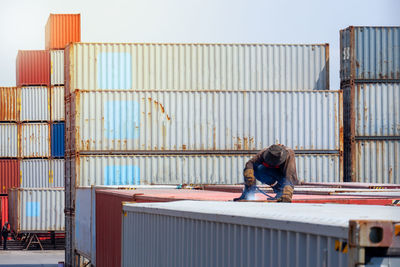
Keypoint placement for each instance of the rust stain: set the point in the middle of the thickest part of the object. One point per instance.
(246, 143)
(183, 147)
(390, 175)
(168, 118)
(238, 144)
(214, 139)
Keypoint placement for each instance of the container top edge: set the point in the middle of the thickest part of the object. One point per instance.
(200, 43)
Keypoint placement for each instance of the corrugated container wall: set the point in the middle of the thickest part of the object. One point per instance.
(197, 67)
(370, 53)
(9, 174)
(204, 233)
(213, 120)
(36, 210)
(35, 103)
(62, 29)
(377, 109)
(35, 140)
(9, 104)
(57, 139)
(4, 209)
(378, 161)
(57, 67)
(8, 140)
(57, 103)
(187, 169)
(42, 173)
(33, 67)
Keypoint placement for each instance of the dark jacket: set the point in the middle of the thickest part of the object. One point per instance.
(288, 167)
(5, 231)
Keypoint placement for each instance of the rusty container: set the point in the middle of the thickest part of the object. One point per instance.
(9, 104)
(62, 29)
(33, 67)
(9, 174)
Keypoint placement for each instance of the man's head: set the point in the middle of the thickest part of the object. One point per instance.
(275, 155)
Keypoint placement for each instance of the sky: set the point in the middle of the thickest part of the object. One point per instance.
(22, 23)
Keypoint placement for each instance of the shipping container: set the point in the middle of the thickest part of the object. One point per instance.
(57, 103)
(9, 174)
(9, 104)
(377, 161)
(33, 67)
(198, 121)
(57, 139)
(197, 67)
(35, 103)
(42, 173)
(377, 109)
(62, 29)
(202, 233)
(36, 210)
(370, 53)
(4, 209)
(57, 67)
(190, 169)
(35, 140)
(8, 140)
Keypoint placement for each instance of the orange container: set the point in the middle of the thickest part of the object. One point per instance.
(9, 104)
(61, 29)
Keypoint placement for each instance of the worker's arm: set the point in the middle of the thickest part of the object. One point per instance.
(289, 167)
(248, 172)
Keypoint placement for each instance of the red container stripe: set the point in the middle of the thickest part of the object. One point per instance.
(33, 67)
(9, 175)
(4, 209)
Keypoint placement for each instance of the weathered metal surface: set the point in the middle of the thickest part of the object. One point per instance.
(370, 53)
(42, 173)
(378, 161)
(212, 120)
(61, 29)
(8, 140)
(58, 139)
(36, 210)
(35, 140)
(57, 67)
(9, 174)
(84, 236)
(57, 103)
(9, 104)
(189, 169)
(33, 67)
(197, 66)
(202, 233)
(35, 103)
(377, 109)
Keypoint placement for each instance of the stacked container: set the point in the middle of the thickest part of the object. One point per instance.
(194, 113)
(370, 80)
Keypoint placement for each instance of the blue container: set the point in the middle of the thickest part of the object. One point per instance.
(370, 54)
(57, 140)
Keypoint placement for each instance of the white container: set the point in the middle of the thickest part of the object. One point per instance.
(190, 169)
(212, 120)
(42, 173)
(35, 140)
(36, 210)
(197, 67)
(204, 233)
(57, 67)
(57, 103)
(35, 103)
(378, 161)
(8, 140)
(377, 109)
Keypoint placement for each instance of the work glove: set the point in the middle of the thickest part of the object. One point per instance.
(247, 194)
(249, 178)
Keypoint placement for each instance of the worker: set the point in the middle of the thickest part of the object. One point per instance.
(274, 166)
(4, 234)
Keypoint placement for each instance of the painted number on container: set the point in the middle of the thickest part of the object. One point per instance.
(114, 70)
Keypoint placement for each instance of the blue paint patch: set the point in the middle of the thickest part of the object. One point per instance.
(32, 209)
(57, 139)
(121, 119)
(114, 70)
(121, 175)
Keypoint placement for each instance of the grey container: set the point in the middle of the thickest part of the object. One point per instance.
(33, 210)
(370, 53)
(97, 66)
(202, 233)
(57, 67)
(42, 173)
(35, 103)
